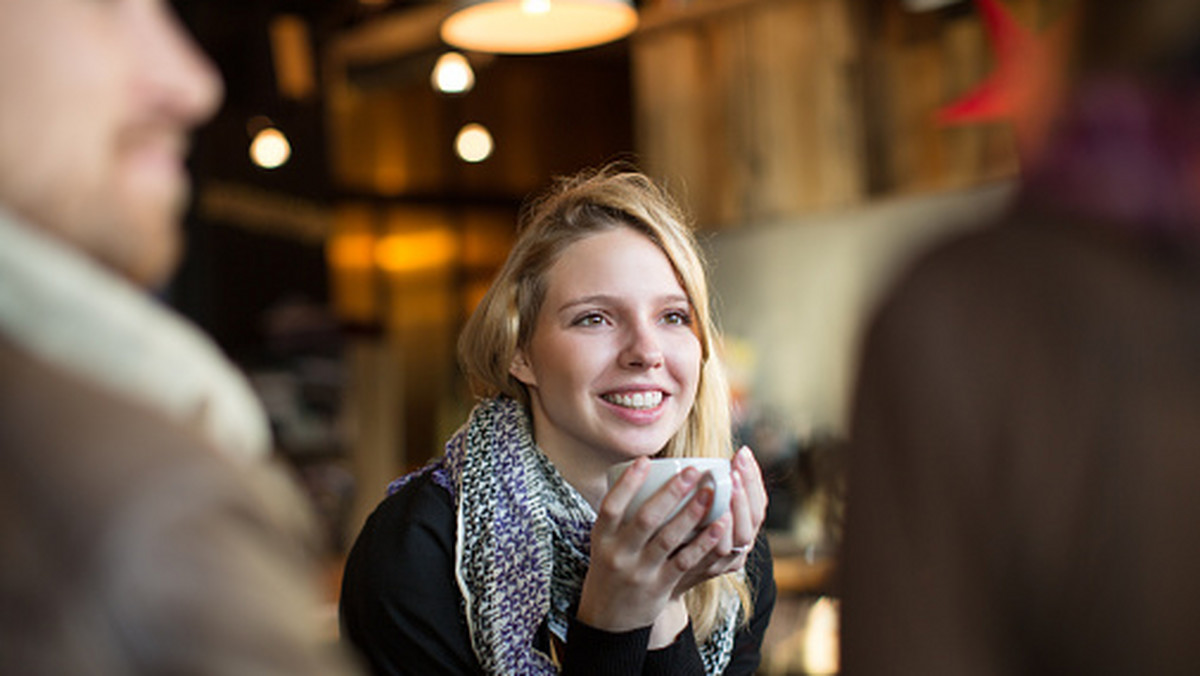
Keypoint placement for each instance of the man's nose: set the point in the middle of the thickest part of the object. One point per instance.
(178, 76)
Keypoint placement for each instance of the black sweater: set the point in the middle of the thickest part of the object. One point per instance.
(402, 610)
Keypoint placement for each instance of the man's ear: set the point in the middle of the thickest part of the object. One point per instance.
(521, 370)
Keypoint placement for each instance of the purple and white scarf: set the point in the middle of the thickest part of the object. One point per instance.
(523, 542)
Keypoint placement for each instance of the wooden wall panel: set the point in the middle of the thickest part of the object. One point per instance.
(752, 107)
(804, 105)
(670, 112)
(914, 64)
(766, 109)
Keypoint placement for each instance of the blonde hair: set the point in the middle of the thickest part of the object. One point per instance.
(575, 208)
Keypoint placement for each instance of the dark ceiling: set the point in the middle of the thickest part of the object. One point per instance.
(574, 110)
(235, 34)
(231, 277)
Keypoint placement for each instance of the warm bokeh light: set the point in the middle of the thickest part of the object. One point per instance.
(270, 148)
(538, 26)
(291, 54)
(821, 645)
(452, 74)
(535, 6)
(474, 143)
(416, 251)
(352, 251)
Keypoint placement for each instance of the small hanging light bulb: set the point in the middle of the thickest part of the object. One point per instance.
(270, 148)
(474, 143)
(452, 74)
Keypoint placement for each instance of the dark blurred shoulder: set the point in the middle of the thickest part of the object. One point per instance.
(83, 449)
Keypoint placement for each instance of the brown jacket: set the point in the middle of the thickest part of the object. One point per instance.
(1025, 471)
(130, 547)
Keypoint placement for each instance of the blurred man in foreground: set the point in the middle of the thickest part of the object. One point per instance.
(1025, 466)
(142, 532)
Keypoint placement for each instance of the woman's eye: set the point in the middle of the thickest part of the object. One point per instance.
(677, 318)
(590, 319)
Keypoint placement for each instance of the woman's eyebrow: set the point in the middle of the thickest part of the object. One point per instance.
(607, 299)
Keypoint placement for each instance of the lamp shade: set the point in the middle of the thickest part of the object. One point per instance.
(537, 26)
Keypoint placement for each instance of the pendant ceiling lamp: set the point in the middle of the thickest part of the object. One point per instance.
(537, 26)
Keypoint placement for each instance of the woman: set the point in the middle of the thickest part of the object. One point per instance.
(593, 346)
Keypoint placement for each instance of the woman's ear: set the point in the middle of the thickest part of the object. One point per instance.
(521, 370)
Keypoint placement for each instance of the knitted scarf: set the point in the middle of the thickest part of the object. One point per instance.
(523, 542)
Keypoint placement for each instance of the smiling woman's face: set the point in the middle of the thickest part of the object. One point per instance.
(613, 363)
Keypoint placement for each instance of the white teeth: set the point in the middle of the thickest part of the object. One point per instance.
(638, 400)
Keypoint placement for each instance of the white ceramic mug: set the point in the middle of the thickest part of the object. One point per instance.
(716, 473)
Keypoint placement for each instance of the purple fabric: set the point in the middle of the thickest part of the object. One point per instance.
(441, 477)
(1124, 153)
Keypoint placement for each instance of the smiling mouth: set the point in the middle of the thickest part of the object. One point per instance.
(637, 400)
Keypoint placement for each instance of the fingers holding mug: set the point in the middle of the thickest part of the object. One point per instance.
(748, 502)
(745, 465)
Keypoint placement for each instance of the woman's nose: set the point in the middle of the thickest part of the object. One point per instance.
(643, 349)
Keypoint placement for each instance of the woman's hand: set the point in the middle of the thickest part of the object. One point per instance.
(638, 560)
(642, 562)
(747, 511)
